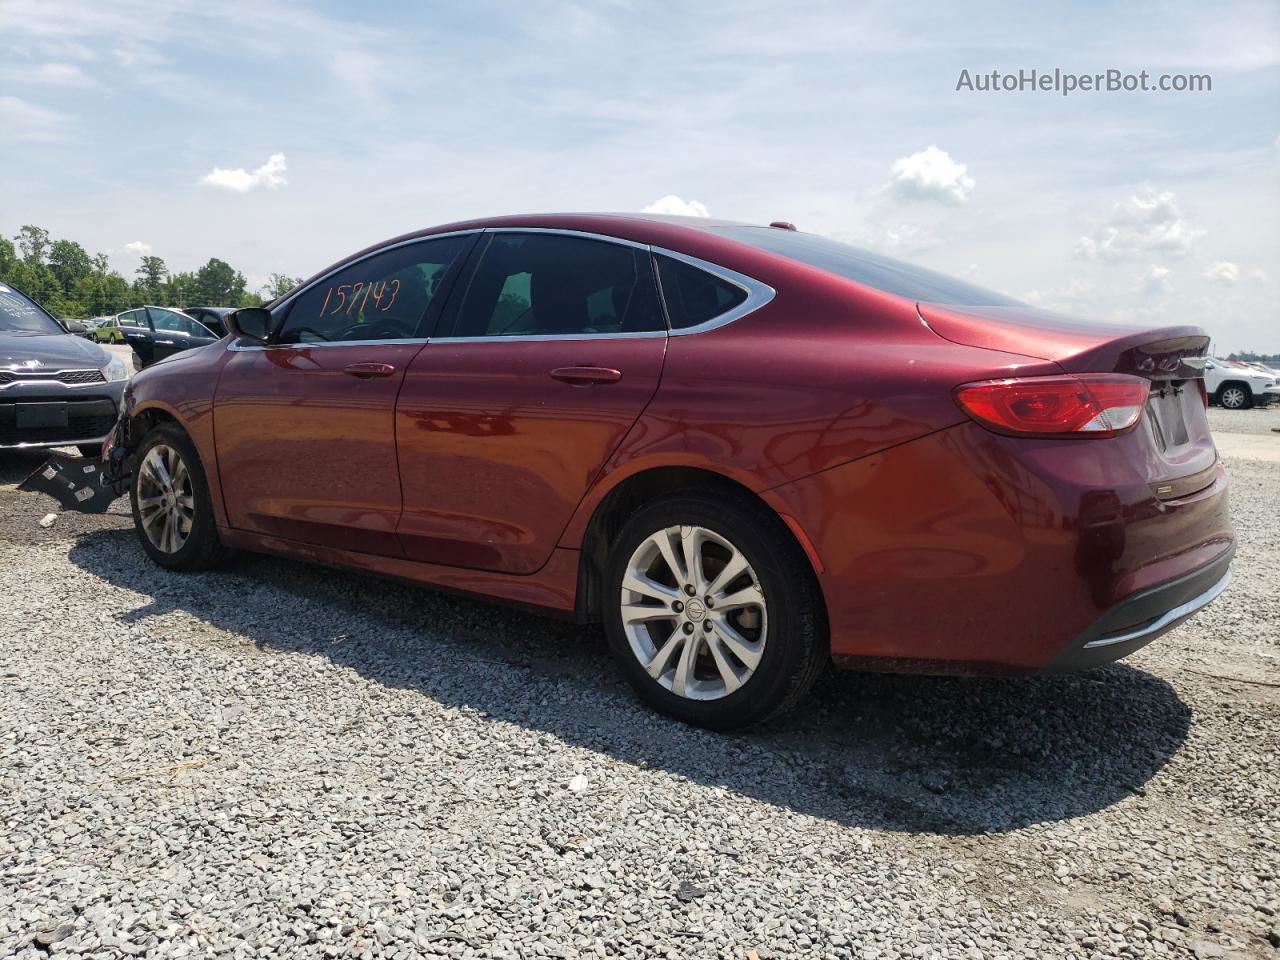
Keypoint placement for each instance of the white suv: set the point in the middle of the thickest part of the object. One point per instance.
(1235, 387)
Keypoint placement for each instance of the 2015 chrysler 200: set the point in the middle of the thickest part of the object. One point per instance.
(747, 450)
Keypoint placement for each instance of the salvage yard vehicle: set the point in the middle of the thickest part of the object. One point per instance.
(56, 388)
(1238, 386)
(747, 450)
(211, 317)
(155, 333)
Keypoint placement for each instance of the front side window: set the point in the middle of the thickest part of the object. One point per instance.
(382, 297)
(694, 296)
(547, 284)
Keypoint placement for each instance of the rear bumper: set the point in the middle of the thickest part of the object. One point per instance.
(1135, 622)
(970, 553)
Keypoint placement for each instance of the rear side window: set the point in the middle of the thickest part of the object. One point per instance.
(869, 269)
(694, 296)
(547, 284)
(382, 297)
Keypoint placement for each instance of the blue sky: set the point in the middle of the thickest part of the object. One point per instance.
(281, 135)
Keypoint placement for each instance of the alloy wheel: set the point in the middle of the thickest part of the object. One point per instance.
(1232, 398)
(693, 612)
(166, 499)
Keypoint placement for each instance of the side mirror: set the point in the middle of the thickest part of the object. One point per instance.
(250, 323)
(75, 326)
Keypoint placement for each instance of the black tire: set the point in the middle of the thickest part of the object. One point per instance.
(92, 451)
(1228, 392)
(202, 550)
(796, 648)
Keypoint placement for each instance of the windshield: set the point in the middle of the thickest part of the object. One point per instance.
(870, 269)
(20, 315)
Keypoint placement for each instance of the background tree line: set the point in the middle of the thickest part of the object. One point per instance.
(63, 278)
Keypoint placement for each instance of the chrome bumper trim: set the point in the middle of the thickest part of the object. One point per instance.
(1166, 618)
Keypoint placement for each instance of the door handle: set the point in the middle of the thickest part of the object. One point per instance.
(367, 371)
(584, 375)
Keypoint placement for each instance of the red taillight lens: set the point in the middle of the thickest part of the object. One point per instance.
(1081, 405)
(1204, 392)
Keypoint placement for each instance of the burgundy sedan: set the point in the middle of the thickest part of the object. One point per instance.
(748, 451)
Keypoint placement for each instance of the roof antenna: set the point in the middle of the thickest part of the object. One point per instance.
(783, 225)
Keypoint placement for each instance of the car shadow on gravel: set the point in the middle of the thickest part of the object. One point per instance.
(917, 754)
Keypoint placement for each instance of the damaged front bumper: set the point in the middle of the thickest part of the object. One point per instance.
(84, 484)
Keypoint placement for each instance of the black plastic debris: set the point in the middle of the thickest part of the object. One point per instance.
(75, 482)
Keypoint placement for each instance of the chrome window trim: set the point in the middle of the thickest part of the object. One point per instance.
(581, 234)
(536, 337)
(235, 346)
(758, 294)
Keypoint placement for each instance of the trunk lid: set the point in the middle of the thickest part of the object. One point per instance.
(1179, 451)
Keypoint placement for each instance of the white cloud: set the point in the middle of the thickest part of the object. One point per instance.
(1155, 280)
(140, 247)
(930, 174)
(22, 120)
(1223, 271)
(60, 75)
(672, 205)
(1147, 223)
(1259, 275)
(240, 180)
(1076, 295)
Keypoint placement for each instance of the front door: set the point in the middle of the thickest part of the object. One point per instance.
(551, 347)
(174, 332)
(305, 425)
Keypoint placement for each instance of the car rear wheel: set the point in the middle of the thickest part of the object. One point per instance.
(712, 611)
(1233, 397)
(172, 509)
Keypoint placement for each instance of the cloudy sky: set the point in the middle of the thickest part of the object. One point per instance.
(281, 135)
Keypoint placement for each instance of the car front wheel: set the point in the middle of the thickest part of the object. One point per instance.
(713, 612)
(172, 509)
(1233, 398)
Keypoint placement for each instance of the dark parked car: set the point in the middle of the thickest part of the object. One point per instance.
(155, 333)
(746, 450)
(56, 389)
(211, 317)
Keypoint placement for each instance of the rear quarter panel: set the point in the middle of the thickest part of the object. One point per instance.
(824, 374)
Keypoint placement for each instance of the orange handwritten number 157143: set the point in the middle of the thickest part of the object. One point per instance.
(375, 291)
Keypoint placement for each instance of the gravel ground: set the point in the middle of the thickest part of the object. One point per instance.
(1258, 420)
(279, 760)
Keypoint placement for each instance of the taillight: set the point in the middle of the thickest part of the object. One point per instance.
(1080, 405)
(1204, 392)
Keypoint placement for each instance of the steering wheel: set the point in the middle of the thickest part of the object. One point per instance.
(382, 329)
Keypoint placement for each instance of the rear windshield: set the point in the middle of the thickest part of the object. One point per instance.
(21, 315)
(870, 269)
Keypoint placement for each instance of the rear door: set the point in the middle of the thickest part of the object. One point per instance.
(553, 345)
(135, 330)
(305, 424)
